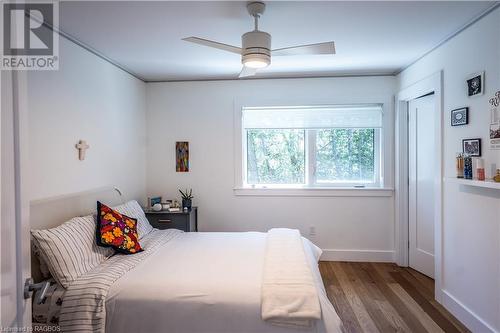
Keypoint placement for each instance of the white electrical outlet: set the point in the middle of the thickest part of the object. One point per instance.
(312, 231)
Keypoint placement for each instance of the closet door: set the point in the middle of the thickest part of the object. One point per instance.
(422, 169)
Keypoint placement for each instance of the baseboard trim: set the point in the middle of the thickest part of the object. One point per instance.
(465, 315)
(357, 255)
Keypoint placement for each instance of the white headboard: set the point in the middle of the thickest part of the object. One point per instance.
(51, 212)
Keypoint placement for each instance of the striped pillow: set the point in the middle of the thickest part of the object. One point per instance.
(70, 250)
(133, 209)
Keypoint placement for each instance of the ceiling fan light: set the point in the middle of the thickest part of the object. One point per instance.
(256, 60)
(256, 49)
(256, 63)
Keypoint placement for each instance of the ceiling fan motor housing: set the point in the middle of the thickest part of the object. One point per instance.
(256, 47)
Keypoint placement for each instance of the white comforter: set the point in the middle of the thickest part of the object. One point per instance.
(206, 283)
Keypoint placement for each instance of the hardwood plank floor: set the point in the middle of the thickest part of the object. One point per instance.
(382, 297)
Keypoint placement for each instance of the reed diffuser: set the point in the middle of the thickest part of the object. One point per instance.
(467, 167)
(480, 169)
(460, 165)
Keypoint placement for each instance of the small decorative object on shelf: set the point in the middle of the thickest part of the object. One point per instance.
(497, 176)
(460, 165)
(154, 200)
(480, 169)
(468, 167)
(157, 207)
(187, 198)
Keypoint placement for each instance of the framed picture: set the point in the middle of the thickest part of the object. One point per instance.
(471, 147)
(475, 84)
(495, 131)
(460, 117)
(182, 156)
(495, 136)
(154, 200)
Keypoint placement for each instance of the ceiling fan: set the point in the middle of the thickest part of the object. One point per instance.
(256, 45)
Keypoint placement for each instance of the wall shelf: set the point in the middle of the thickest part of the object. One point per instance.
(488, 183)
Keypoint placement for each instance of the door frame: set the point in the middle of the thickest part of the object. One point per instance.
(432, 83)
(16, 203)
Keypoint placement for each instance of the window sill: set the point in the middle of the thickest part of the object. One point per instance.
(315, 192)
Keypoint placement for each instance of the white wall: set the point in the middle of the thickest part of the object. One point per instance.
(202, 113)
(92, 100)
(471, 218)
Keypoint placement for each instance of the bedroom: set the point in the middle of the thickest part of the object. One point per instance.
(259, 156)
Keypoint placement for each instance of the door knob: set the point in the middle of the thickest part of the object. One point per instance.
(30, 286)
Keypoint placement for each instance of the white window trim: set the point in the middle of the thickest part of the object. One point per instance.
(385, 164)
(315, 192)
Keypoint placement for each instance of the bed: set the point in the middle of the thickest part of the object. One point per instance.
(186, 282)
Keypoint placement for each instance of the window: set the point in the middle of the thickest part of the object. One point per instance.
(275, 156)
(320, 146)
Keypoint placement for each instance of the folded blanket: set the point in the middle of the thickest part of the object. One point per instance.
(289, 295)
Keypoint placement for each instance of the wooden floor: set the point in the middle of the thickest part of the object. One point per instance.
(379, 297)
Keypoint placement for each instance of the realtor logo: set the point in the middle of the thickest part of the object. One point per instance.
(28, 41)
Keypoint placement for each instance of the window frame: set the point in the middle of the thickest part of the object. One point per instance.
(386, 141)
(310, 180)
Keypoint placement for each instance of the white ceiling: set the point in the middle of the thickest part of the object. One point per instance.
(371, 37)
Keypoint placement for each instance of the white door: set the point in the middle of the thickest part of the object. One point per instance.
(15, 263)
(15, 310)
(422, 171)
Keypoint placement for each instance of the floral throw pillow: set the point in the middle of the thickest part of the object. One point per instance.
(116, 230)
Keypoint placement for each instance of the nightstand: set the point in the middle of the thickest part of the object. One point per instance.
(185, 221)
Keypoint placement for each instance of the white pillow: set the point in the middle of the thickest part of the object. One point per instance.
(133, 209)
(70, 250)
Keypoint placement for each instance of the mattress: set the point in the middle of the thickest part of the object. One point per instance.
(206, 283)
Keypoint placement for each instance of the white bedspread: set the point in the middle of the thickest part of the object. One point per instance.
(203, 283)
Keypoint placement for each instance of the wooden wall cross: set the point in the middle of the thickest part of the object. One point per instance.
(82, 146)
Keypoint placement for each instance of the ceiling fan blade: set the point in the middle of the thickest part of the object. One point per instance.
(312, 49)
(210, 43)
(247, 71)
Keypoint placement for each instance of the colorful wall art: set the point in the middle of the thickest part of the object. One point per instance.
(182, 156)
